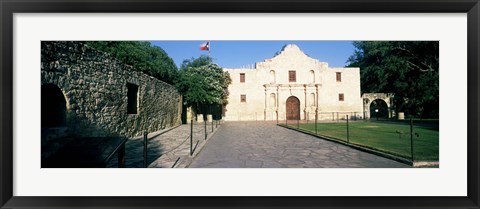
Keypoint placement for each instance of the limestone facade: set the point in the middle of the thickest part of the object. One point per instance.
(310, 86)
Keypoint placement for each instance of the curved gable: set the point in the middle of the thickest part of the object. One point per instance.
(291, 57)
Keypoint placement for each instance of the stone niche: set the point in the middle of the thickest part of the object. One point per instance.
(101, 96)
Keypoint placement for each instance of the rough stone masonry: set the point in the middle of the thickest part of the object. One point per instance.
(103, 97)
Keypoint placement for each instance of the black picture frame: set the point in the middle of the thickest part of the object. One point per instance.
(9, 7)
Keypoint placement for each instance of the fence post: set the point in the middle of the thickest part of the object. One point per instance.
(276, 112)
(348, 133)
(298, 123)
(212, 123)
(205, 123)
(145, 149)
(191, 137)
(121, 156)
(411, 138)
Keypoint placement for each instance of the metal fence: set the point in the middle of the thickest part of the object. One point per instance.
(208, 127)
(415, 140)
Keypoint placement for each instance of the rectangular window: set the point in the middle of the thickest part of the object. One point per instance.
(339, 77)
(243, 98)
(340, 97)
(242, 77)
(132, 92)
(292, 77)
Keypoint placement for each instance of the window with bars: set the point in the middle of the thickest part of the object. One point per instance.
(341, 97)
(243, 98)
(292, 76)
(339, 77)
(242, 77)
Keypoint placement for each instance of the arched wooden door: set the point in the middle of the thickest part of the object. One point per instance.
(293, 108)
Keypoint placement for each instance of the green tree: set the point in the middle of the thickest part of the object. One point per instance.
(203, 84)
(409, 69)
(151, 60)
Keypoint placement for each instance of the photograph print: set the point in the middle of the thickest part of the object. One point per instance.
(240, 104)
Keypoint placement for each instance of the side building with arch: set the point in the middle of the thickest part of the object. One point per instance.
(293, 86)
(378, 105)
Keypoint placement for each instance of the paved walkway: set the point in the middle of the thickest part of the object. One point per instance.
(266, 145)
(166, 148)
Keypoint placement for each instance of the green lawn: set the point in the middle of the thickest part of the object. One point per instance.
(393, 138)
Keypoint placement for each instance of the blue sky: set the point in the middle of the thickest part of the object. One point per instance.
(235, 54)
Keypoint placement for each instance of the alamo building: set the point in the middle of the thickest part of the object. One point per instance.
(293, 86)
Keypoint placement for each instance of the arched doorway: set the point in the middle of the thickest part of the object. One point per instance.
(383, 103)
(293, 108)
(378, 109)
(53, 107)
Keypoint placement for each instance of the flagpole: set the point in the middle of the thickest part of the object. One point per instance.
(206, 46)
(209, 46)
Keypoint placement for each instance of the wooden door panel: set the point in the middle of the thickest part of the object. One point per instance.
(293, 108)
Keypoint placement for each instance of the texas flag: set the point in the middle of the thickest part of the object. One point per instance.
(205, 46)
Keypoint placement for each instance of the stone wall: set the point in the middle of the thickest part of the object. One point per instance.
(95, 87)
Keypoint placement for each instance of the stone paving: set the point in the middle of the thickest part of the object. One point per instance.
(166, 148)
(266, 145)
